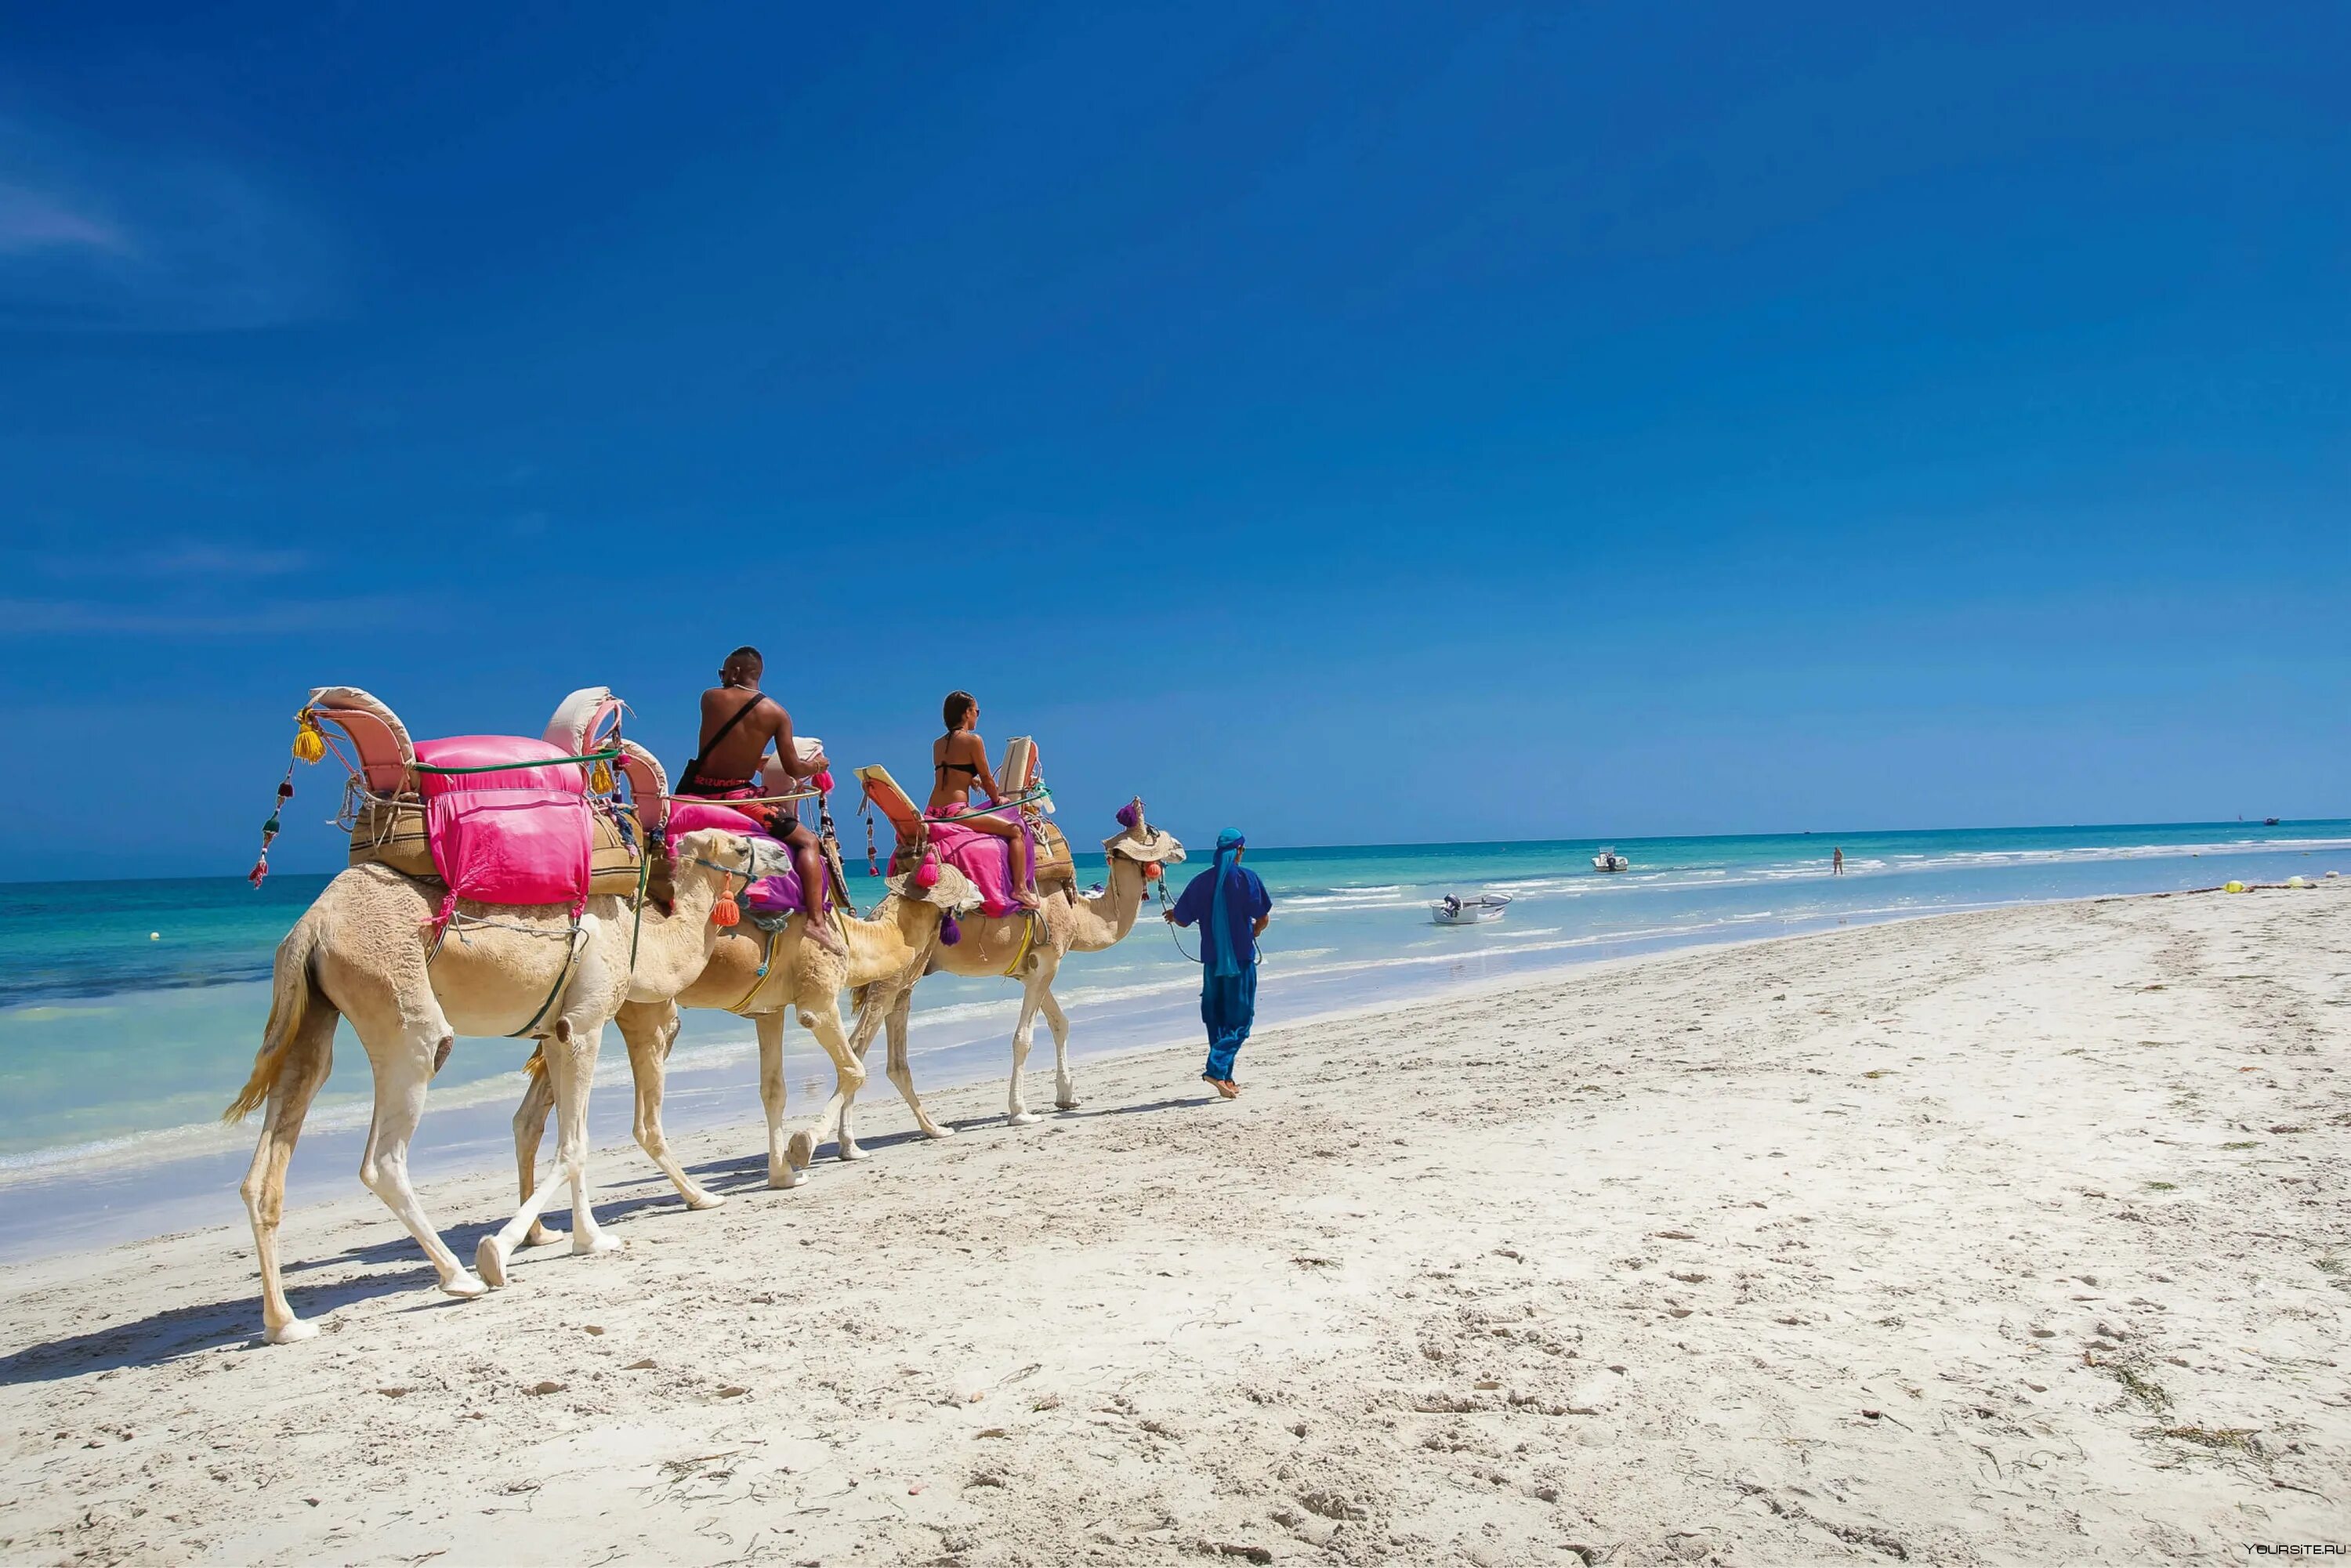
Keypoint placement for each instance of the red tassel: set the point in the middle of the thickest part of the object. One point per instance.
(723, 911)
(260, 870)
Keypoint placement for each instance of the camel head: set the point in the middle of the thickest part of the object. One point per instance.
(731, 855)
(1138, 841)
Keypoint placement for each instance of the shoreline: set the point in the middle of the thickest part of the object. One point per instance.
(68, 1202)
(1996, 1236)
(93, 1198)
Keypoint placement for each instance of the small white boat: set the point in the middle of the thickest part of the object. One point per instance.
(1609, 860)
(1453, 910)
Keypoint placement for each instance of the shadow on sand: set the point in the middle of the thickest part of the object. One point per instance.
(397, 1266)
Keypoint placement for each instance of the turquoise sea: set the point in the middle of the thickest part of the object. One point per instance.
(129, 1012)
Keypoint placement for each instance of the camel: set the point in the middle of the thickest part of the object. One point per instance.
(1012, 947)
(365, 950)
(759, 976)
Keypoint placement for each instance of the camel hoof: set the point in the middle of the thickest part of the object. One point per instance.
(700, 1199)
(491, 1260)
(1021, 1118)
(800, 1150)
(541, 1235)
(935, 1130)
(851, 1152)
(293, 1331)
(602, 1241)
(785, 1178)
(1069, 1104)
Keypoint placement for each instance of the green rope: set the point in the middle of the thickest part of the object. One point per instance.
(516, 767)
(1038, 793)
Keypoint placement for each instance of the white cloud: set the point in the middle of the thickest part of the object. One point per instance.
(33, 220)
(60, 618)
(158, 239)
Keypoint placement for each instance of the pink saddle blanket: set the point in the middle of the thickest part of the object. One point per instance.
(986, 859)
(516, 835)
(779, 895)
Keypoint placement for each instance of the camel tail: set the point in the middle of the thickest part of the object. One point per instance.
(537, 1066)
(290, 996)
(857, 995)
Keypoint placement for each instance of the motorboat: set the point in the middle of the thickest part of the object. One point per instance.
(2269, 821)
(1454, 910)
(1609, 860)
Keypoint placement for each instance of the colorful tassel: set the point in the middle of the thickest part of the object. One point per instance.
(260, 870)
(950, 931)
(1151, 870)
(926, 875)
(309, 740)
(725, 913)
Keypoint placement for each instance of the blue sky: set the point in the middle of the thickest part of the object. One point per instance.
(1358, 422)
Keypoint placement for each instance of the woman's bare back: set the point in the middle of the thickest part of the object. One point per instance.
(958, 766)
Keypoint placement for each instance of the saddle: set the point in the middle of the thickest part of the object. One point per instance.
(536, 830)
(984, 858)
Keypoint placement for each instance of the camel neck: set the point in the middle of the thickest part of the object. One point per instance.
(1104, 919)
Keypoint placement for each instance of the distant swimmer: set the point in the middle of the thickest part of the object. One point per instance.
(1836, 861)
(1230, 906)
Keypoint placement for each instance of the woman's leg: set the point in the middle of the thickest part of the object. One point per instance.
(1024, 871)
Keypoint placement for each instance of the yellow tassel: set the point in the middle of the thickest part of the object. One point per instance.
(600, 778)
(310, 741)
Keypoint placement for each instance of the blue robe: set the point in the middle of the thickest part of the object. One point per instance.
(1225, 903)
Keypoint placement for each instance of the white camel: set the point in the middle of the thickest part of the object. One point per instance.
(365, 950)
(1018, 947)
(761, 974)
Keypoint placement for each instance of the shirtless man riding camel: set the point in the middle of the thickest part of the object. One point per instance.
(739, 723)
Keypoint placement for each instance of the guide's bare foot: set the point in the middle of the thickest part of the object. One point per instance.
(1229, 1088)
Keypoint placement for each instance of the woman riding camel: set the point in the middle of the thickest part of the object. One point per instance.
(959, 765)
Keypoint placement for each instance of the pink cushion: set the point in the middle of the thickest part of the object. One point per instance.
(520, 835)
(984, 858)
(692, 816)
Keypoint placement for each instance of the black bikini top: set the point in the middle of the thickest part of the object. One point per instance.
(971, 769)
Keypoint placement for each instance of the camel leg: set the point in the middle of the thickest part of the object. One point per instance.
(782, 1169)
(903, 1075)
(849, 1076)
(1065, 1088)
(571, 1060)
(860, 1041)
(402, 1070)
(1016, 1113)
(649, 1039)
(311, 1054)
(529, 1127)
(572, 1145)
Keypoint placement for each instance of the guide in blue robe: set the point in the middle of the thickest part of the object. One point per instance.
(1225, 903)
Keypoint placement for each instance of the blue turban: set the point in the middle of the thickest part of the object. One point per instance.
(1222, 955)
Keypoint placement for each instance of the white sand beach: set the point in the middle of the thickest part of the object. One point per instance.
(2019, 1236)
